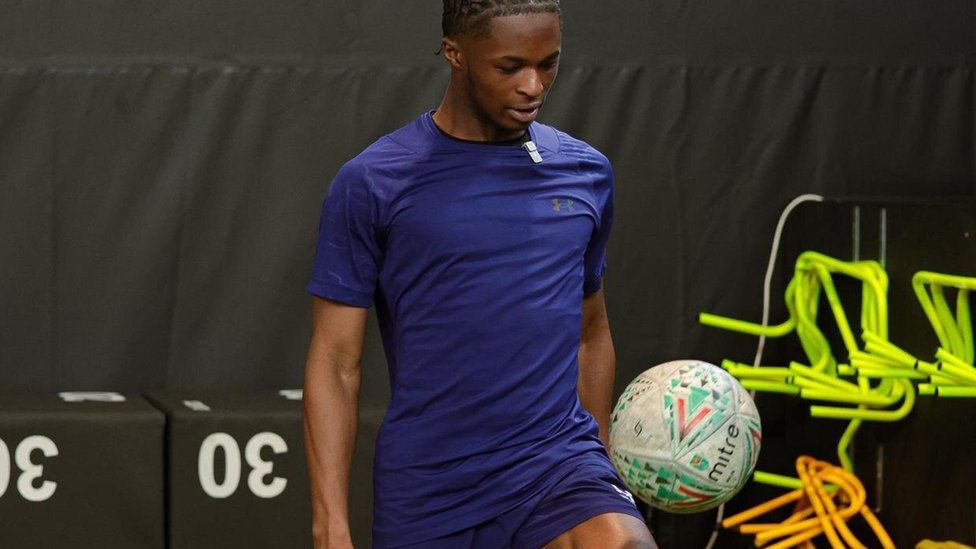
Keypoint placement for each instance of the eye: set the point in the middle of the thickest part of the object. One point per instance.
(550, 65)
(508, 70)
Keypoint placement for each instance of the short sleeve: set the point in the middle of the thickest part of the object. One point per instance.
(348, 255)
(595, 257)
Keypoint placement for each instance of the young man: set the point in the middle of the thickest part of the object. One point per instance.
(480, 236)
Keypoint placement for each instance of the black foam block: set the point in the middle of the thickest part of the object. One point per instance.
(236, 474)
(81, 470)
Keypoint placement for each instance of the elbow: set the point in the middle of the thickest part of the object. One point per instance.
(325, 371)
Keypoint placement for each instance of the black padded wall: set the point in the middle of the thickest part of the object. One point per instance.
(162, 168)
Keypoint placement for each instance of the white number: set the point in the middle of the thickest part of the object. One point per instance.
(232, 465)
(232, 458)
(261, 468)
(29, 470)
(4, 467)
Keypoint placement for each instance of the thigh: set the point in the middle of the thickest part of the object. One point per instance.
(609, 530)
(590, 503)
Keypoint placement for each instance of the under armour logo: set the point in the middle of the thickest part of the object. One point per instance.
(624, 494)
(560, 205)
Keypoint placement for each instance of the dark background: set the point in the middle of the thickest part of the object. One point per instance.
(162, 165)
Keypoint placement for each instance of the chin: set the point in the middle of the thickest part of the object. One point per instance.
(511, 125)
(505, 123)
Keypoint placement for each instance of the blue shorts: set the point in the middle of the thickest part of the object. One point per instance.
(582, 494)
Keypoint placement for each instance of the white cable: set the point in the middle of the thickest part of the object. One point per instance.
(767, 282)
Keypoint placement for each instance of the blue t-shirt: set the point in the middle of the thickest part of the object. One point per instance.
(477, 259)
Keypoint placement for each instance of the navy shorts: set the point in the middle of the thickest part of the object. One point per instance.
(582, 494)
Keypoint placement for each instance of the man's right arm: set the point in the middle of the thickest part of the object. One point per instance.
(331, 414)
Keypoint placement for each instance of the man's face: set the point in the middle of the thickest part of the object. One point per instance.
(509, 72)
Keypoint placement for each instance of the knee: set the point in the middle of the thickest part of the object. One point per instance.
(639, 544)
(632, 534)
(642, 540)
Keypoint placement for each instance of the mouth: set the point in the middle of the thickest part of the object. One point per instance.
(524, 114)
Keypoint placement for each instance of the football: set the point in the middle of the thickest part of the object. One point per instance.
(685, 436)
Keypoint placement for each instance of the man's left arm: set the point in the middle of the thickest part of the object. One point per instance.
(597, 363)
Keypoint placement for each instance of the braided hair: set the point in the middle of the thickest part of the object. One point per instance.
(473, 15)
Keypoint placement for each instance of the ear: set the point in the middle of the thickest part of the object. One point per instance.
(452, 52)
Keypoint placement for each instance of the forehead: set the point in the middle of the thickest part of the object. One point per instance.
(524, 35)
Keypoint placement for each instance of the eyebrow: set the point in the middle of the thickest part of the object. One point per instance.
(515, 59)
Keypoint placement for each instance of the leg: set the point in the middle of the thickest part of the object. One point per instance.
(606, 531)
(589, 507)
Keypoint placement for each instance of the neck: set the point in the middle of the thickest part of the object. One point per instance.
(458, 117)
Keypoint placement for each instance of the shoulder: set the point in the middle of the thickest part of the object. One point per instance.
(564, 144)
(384, 162)
(387, 152)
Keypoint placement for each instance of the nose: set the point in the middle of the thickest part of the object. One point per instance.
(531, 84)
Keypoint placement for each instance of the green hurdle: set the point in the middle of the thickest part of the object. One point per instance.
(880, 381)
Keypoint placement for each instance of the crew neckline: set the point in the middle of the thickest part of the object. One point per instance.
(483, 146)
(506, 143)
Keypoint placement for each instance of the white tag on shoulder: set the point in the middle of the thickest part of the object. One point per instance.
(533, 151)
